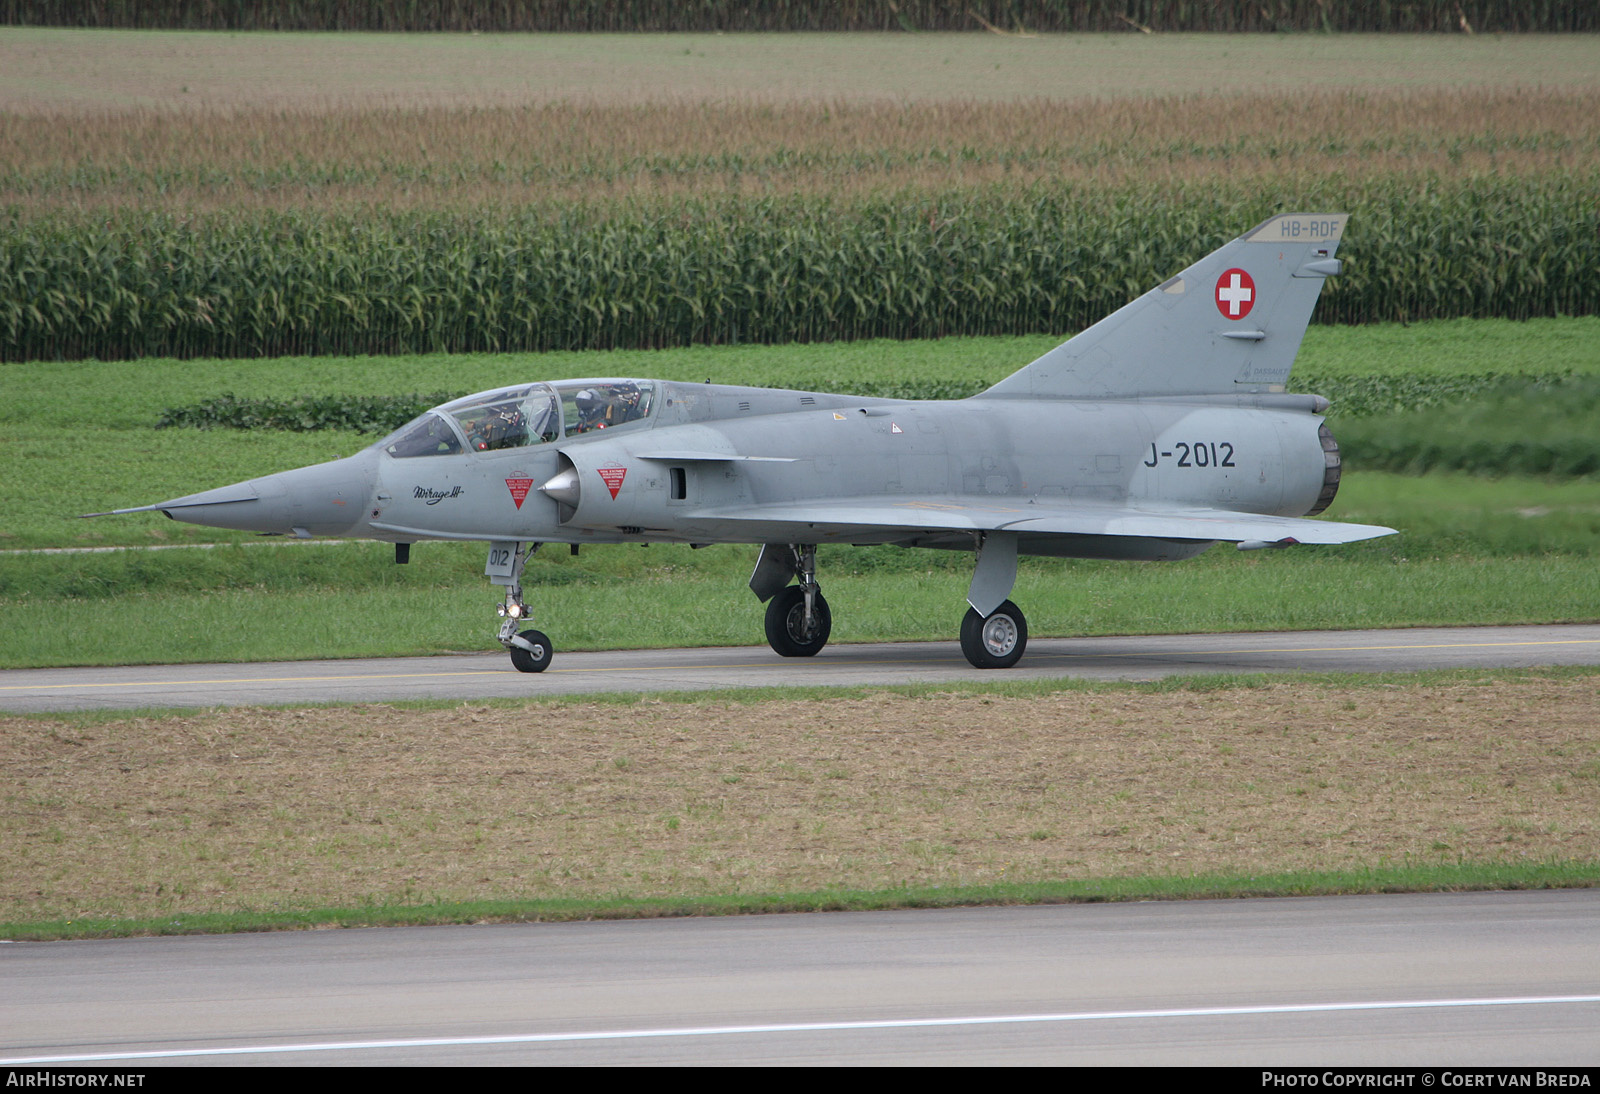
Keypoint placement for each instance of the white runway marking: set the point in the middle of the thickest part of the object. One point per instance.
(805, 1027)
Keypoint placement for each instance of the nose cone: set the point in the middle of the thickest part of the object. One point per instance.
(328, 499)
(564, 487)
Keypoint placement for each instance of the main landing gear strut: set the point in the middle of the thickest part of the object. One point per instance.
(995, 641)
(530, 650)
(993, 635)
(798, 620)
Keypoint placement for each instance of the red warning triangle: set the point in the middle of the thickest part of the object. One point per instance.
(519, 489)
(613, 477)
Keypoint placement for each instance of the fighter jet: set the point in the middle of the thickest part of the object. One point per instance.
(1154, 434)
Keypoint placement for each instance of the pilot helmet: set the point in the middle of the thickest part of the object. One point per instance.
(591, 407)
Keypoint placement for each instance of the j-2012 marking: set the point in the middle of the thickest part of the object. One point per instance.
(1199, 454)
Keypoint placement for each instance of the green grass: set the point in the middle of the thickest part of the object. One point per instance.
(1445, 516)
(72, 395)
(1452, 347)
(361, 605)
(1403, 878)
(1523, 428)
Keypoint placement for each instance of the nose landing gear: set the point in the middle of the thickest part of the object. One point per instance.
(530, 650)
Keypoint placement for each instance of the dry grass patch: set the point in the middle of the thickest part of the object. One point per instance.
(422, 158)
(263, 809)
(50, 70)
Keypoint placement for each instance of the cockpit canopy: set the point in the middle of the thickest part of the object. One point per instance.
(522, 416)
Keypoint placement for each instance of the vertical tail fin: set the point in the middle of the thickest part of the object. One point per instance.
(1232, 322)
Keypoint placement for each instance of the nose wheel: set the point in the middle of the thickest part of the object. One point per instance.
(530, 650)
(533, 657)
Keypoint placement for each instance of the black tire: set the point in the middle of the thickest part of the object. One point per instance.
(786, 614)
(533, 661)
(995, 641)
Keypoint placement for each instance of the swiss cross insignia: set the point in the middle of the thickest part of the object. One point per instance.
(1236, 293)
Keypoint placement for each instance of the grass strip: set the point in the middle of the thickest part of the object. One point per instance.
(1199, 683)
(1311, 591)
(1440, 877)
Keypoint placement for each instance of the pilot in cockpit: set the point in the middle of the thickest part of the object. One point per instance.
(504, 428)
(595, 410)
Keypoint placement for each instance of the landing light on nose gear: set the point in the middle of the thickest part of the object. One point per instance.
(530, 650)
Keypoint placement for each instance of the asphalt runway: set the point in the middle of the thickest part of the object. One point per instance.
(1463, 980)
(490, 675)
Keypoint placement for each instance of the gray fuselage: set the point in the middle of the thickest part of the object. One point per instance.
(709, 451)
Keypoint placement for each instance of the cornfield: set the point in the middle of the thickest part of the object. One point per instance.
(270, 231)
(816, 15)
(643, 274)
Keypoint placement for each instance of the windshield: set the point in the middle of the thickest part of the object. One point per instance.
(429, 435)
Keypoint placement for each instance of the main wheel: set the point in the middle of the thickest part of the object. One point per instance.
(536, 659)
(786, 616)
(995, 641)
